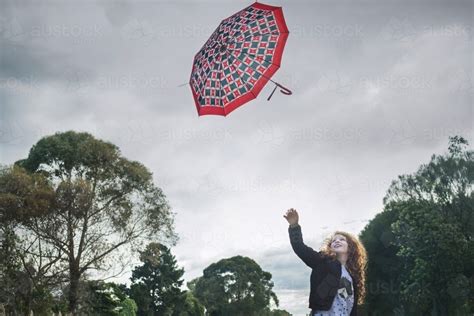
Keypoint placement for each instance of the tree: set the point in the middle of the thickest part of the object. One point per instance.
(107, 299)
(383, 268)
(434, 232)
(78, 202)
(235, 286)
(447, 180)
(156, 283)
(24, 287)
(10, 266)
(191, 306)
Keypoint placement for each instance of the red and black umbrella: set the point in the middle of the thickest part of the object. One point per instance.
(238, 59)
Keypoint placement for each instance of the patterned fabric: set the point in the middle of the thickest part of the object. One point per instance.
(238, 59)
(344, 300)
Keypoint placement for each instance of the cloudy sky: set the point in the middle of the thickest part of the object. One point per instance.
(378, 86)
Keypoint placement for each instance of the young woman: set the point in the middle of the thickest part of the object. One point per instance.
(338, 275)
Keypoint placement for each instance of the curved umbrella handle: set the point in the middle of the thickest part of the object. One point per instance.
(283, 90)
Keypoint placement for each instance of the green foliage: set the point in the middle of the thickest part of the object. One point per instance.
(190, 307)
(107, 299)
(156, 285)
(10, 266)
(235, 286)
(22, 287)
(76, 201)
(431, 216)
(92, 174)
(383, 268)
(23, 196)
(128, 307)
(434, 251)
(26, 296)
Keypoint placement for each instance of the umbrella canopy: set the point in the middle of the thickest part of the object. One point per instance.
(238, 59)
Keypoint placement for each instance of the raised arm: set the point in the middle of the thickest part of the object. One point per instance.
(309, 256)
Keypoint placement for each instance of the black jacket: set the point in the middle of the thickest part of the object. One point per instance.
(325, 275)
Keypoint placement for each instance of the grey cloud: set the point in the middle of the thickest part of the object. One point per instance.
(378, 87)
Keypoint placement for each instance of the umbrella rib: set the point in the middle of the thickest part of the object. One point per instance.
(256, 69)
(246, 83)
(258, 34)
(243, 24)
(257, 57)
(219, 73)
(205, 80)
(255, 34)
(261, 74)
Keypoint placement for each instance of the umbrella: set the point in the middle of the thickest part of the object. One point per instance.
(238, 59)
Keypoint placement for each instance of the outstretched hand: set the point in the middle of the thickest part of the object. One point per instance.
(291, 216)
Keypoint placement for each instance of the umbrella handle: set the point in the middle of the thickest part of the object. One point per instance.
(283, 90)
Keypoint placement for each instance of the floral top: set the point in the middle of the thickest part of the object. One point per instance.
(344, 300)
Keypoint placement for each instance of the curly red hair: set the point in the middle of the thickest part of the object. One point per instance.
(356, 260)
